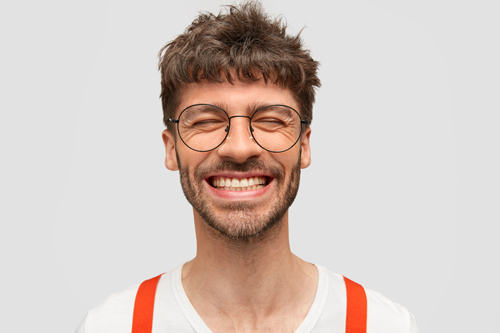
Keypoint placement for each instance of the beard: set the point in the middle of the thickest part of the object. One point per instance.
(238, 221)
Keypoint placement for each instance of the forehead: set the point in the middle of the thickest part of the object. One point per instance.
(237, 97)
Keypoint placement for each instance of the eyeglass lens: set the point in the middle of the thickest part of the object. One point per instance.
(275, 128)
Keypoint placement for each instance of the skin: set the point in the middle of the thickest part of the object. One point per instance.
(252, 282)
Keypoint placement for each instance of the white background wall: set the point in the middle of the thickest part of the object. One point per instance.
(402, 196)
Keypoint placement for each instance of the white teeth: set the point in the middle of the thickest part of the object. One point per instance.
(236, 184)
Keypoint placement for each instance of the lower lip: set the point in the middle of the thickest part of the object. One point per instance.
(239, 195)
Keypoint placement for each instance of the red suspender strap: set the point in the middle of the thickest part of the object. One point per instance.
(356, 308)
(142, 321)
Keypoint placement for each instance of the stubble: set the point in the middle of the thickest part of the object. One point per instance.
(239, 221)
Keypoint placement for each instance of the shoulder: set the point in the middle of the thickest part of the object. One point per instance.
(388, 315)
(114, 314)
(383, 315)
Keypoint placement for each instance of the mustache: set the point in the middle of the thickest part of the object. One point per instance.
(249, 165)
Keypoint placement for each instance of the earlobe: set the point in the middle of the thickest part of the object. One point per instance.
(170, 155)
(305, 157)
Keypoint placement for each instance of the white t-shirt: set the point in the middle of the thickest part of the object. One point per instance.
(173, 312)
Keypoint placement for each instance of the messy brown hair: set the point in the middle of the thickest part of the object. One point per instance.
(242, 42)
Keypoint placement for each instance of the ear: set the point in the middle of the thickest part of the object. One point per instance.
(170, 155)
(305, 157)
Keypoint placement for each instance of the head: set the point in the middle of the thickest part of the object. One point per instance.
(241, 43)
(237, 60)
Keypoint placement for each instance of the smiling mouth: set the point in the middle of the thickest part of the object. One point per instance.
(239, 184)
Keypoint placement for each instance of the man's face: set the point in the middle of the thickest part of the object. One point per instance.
(238, 211)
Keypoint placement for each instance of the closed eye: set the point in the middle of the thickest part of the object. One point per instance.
(269, 121)
(207, 122)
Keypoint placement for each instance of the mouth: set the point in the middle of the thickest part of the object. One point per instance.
(239, 184)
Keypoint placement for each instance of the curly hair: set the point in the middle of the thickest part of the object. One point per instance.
(242, 42)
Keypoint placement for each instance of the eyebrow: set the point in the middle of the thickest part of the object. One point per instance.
(250, 110)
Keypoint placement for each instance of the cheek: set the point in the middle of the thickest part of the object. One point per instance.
(187, 157)
(290, 158)
(289, 162)
(191, 161)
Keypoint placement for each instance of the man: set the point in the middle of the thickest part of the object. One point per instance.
(237, 95)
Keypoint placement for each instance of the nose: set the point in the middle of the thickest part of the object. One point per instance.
(239, 145)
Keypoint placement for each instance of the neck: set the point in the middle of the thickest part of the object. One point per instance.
(260, 276)
(243, 261)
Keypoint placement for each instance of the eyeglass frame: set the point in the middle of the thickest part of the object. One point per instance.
(228, 128)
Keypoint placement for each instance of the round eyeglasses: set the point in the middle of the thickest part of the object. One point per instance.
(204, 127)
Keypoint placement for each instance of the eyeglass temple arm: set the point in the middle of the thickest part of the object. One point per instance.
(305, 122)
(175, 121)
